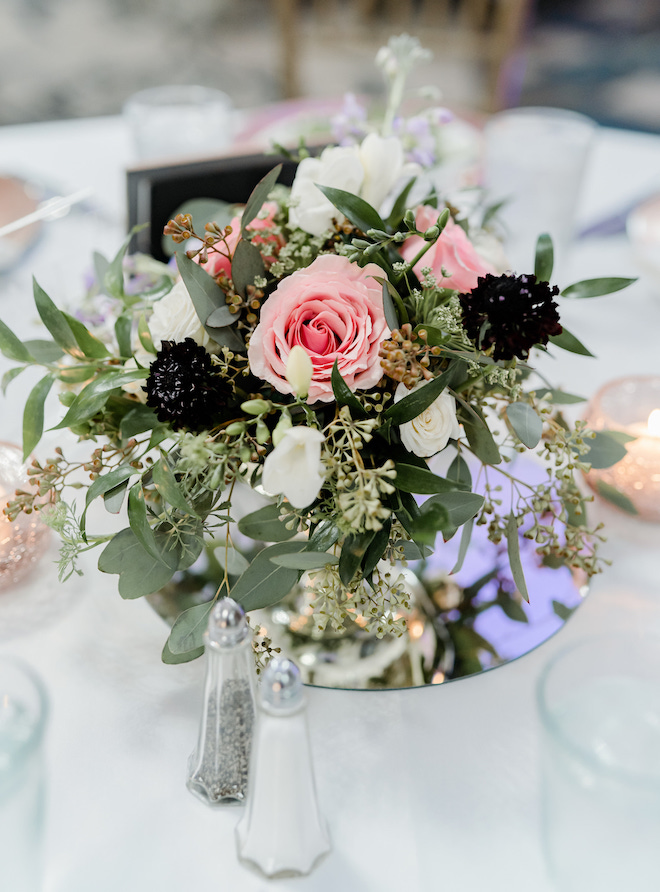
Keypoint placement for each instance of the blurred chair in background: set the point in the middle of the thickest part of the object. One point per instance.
(479, 41)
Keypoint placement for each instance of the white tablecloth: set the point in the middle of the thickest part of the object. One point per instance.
(433, 788)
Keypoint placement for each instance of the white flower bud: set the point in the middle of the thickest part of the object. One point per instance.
(299, 370)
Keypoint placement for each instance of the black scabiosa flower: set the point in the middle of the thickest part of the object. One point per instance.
(183, 388)
(511, 314)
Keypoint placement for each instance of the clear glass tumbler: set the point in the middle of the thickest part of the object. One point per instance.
(23, 716)
(599, 705)
(534, 160)
(178, 122)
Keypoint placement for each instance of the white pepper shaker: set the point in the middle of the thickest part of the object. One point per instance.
(282, 832)
(218, 767)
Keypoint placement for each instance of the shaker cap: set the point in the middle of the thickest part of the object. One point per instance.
(281, 686)
(227, 624)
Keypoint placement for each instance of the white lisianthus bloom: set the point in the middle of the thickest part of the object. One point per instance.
(299, 370)
(337, 166)
(383, 162)
(294, 468)
(174, 319)
(433, 428)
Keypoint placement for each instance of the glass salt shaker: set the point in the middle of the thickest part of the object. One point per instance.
(282, 832)
(218, 768)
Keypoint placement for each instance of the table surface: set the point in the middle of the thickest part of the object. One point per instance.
(434, 788)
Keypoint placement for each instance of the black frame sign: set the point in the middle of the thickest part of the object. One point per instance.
(155, 193)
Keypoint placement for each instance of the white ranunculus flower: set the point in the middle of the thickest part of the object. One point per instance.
(433, 428)
(383, 162)
(337, 166)
(174, 319)
(294, 467)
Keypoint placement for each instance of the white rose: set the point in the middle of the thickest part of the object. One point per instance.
(433, 428)
(294, 467)
(174, 319)
(337, 166)
(383, 162)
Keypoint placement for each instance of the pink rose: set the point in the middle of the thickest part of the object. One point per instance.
(334, 311)
(218, 262)
(453, 251)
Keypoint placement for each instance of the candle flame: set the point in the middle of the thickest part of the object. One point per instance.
(654, 423)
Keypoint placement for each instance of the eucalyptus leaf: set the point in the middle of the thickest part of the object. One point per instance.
(605, 450)
(376, 549)
(104, 484)
(139, 521)
(324, 536)
(247, 264)
(388, 307)
(460, 506)
(263, 583)
(562, 611)
(145, 335)
(432, 518)
(258, 196)
(265, 525)
(113, 499)
(526, 423)
(206, 295)
(54, 320)
(9, 376)
(410, 478)
(44, 351)
(544, 260)
(352, 553)
(90, 345)
(569, 342)
(480, 438)
(596, 287)
(512, 609)
(460, 472)
(167, 487)
(138, 420)
(33, 415)
(203, 211)
(305, 560)
(176, 659)
(139, 573)
(358, 211)
(94, 396)
(221, 317)
(113, 279)
(233, 561)
(123, 332)
(343, 394)
(513, 551)
(463, 546)
(11, 346)
(560, 397)
(615, 497)
(188, 630)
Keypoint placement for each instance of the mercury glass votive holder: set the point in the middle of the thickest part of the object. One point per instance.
(22, 540)
(630, 406)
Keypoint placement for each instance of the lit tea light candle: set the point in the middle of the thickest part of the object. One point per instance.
(631, 406)
(21, 540)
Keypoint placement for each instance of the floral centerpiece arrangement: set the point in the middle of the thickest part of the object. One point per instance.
(331, 347)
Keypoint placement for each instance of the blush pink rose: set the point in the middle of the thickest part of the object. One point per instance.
(453, 251)
(219, 263)
(334, 311)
